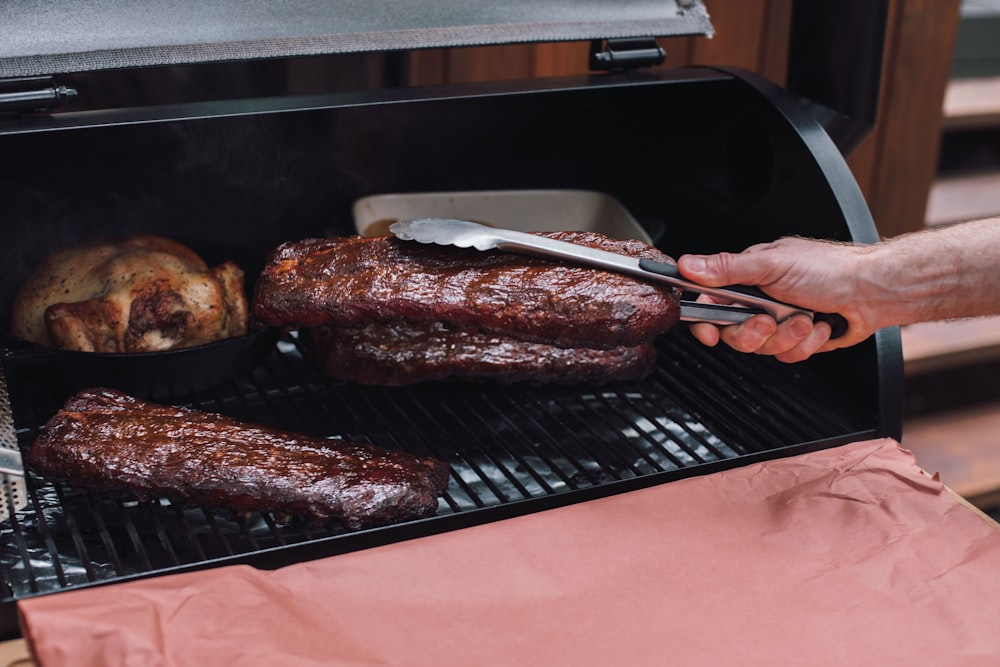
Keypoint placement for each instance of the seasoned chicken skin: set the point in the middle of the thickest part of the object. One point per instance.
(144, 294)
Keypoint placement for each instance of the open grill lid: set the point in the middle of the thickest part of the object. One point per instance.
(38, 39)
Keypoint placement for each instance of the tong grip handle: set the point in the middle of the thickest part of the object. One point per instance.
(837, 322)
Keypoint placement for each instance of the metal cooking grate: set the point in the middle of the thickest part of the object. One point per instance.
(512, 450)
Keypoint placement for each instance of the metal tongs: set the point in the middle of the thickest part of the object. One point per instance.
(13, 491)
(746, 301)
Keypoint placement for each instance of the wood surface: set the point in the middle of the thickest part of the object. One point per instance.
(961, 447)
(972, 103)
(929, 347)
(964, 196)
(14, 653)
(897, 170)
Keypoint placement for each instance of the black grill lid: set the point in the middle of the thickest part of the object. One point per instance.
(40, 38)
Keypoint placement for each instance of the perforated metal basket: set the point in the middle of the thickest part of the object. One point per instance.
(13, 492)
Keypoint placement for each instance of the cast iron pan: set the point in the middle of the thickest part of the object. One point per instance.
(143, 374)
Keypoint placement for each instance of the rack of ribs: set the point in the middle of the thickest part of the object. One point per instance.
(358, 280)
(400, 353)
(113, 443)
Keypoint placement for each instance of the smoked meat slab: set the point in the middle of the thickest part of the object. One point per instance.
(401, 353)
(356, 280)
(123, 446)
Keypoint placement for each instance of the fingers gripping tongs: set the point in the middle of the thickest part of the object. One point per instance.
(748, 301)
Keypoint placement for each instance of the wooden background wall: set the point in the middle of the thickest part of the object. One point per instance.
(895, 164)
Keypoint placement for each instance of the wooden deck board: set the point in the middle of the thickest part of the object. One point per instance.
(972, 103)
(933, 346)
(963, 447)
(966, 197)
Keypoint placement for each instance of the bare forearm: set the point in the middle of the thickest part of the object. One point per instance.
(935, 274)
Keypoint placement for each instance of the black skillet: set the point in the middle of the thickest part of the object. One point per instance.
(144, 374)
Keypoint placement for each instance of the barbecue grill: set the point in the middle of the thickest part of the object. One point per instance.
(713, 159)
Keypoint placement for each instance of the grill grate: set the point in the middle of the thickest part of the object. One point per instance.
(512, 450)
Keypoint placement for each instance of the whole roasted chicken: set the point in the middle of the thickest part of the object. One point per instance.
(144, 294)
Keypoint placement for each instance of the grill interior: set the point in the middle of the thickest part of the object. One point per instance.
(513, 450)
(734, 168)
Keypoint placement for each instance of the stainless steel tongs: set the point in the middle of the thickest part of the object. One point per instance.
(13, 491)
(748, 301)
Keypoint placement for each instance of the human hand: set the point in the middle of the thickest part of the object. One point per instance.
(821, 276)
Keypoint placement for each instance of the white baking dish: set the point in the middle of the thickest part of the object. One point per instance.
(523, 210)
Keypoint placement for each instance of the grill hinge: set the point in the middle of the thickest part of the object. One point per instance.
(36, 93)
(622, 54)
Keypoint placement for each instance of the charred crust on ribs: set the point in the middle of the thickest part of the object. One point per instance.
(383, 311)
(120, 445)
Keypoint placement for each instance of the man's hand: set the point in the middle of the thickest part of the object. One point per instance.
(939, 273)
(817, 275)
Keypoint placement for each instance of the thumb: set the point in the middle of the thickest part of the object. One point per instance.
(723, 268)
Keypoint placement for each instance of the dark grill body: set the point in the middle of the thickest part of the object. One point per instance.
(713, 159)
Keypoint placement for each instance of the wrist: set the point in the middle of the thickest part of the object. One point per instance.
(909, 281)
